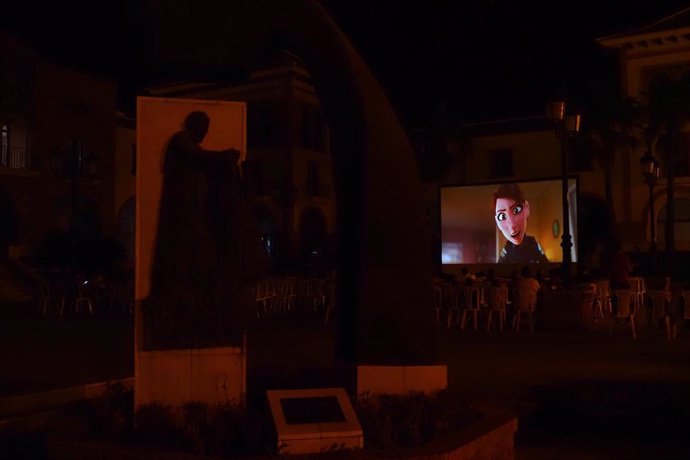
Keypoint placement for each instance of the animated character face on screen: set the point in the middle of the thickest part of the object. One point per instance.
(512, 211)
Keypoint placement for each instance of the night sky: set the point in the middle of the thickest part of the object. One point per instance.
(466, 61)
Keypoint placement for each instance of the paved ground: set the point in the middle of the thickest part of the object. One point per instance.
(594, 396)
(579, 395)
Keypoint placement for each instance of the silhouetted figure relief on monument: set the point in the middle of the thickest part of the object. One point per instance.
(207, 253)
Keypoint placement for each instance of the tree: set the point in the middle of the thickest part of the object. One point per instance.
(611, 126)
(668, 110)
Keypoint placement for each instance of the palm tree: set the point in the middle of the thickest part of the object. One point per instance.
(668, 111)
(611, 126)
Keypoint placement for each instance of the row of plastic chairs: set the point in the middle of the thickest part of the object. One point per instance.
(629, 303)
(280, 294)
(456, 303)
(84, 300)
(56, 302)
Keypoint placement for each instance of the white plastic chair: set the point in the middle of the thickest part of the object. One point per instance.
(50, 299)
(589, 292)
(603, 296)
(83, 298)
(471, 296)
(496, 297)
(684, 300)
(525, 301)
(625, 308)
(451, 300)
(638, 288)
(660, 301)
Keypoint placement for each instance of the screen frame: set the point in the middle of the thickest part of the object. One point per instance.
(439, 218)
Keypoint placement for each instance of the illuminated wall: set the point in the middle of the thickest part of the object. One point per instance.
(157, 120)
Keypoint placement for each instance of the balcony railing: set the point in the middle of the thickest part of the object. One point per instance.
(14, 158)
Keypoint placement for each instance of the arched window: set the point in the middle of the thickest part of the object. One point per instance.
(4, 154)
(313, 232)
(80, 214)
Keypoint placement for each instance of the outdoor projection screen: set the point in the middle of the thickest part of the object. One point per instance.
(469, 232)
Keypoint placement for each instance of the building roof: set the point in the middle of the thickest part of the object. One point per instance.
(672, 29)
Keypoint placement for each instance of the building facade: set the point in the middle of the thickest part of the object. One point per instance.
(652, 58)
(58, 159)
(529, 148)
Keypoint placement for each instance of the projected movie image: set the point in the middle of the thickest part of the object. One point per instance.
(512, 223)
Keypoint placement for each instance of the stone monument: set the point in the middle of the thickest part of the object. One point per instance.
(384, 313)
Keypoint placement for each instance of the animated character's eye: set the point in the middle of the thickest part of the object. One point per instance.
(501, 216)
(517, 209)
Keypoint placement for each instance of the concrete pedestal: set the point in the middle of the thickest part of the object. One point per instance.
(315, 436)
(176, 377)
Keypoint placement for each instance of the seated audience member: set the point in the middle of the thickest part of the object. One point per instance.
(466, 277)
(620, 267)
(491, 279)
(527, 281)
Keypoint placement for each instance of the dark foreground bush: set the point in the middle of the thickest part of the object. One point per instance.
(411, 420)
(233, 430)
(225, 430)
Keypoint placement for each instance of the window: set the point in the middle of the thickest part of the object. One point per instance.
(501, 162)
(4, 154)
(77, 156)
(14, 146)
(312, 135)
(680, 159)
(307, 128)
(319, 137)
(268, 243)
(312, 178)
(681, 163)
(681, 221)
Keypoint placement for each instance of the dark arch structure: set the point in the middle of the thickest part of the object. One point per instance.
(384, 290)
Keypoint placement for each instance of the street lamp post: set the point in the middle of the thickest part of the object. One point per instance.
(650, 172)
(566, 126)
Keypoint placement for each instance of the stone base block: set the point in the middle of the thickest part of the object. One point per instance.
(318, 429)
(176, 377)
(401, 379)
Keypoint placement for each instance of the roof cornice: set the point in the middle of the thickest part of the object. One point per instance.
(679, 36)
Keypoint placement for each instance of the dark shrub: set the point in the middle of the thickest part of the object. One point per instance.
(155, 425)
(410, 420)
(112, 414)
